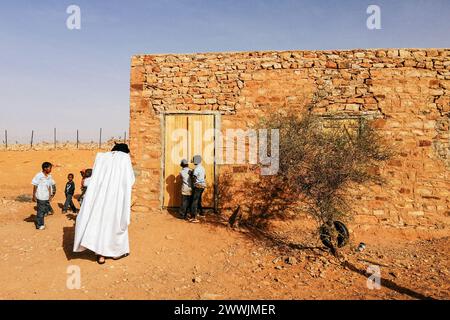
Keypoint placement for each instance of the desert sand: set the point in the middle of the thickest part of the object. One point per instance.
(173, 259)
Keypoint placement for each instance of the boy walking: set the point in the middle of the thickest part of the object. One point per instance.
(44, 189)
(69, 192)
(199, 177)
(186, 188)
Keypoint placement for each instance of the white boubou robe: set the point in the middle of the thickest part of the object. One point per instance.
(102, 224)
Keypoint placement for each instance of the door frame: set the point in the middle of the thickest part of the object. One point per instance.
(217, 125)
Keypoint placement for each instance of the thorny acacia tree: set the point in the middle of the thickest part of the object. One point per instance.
(320, 159)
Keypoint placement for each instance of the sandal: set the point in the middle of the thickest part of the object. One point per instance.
(101, 259)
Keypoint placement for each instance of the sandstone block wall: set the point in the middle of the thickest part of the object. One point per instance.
(405, 91)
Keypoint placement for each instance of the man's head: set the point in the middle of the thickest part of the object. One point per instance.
(184, 163)
(197, 159)
(47, 167)
(70, 177)
(121, 147)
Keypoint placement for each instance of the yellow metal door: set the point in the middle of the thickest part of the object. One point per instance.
(186, 136)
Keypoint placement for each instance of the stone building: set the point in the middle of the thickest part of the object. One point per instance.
(406, 92)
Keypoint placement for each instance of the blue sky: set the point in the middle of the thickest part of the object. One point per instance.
(51, 76)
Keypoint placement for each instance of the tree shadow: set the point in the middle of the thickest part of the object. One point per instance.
(67, 243)
(275, 240)
(266, 238)
(254, 203)
(261, 198)
(388, 283)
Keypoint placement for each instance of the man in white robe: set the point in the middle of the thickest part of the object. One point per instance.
(102, 223)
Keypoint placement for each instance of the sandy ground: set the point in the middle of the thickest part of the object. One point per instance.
(173, 259)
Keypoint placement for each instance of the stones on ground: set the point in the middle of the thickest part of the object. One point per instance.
(196, 279)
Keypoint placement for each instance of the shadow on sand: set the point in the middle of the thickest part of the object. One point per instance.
(388, 283)
(67, 243)
(31, 218)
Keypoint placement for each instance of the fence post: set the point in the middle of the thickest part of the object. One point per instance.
(77, 139)
(54, 138)
(6, 139)
(125, 137)
(100, 140)
(32, 135)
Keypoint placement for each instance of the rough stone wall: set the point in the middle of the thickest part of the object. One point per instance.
(406, 91)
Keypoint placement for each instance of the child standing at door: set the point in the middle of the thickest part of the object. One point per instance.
(186, 188)
(199, 182)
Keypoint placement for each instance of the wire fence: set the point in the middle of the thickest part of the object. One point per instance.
(100, 142)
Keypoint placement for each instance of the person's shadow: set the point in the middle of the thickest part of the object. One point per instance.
(31, 219)
(67, 243)
(173, 188)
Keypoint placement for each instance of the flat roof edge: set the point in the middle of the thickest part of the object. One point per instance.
(279, 51)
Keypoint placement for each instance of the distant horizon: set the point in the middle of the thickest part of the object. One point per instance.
(79, 79)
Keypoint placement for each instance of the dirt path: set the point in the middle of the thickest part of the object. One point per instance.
(172, 259)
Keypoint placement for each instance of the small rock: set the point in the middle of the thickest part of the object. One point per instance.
(291, 260)
(279, 267)
(276, 260)
(197, 280)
